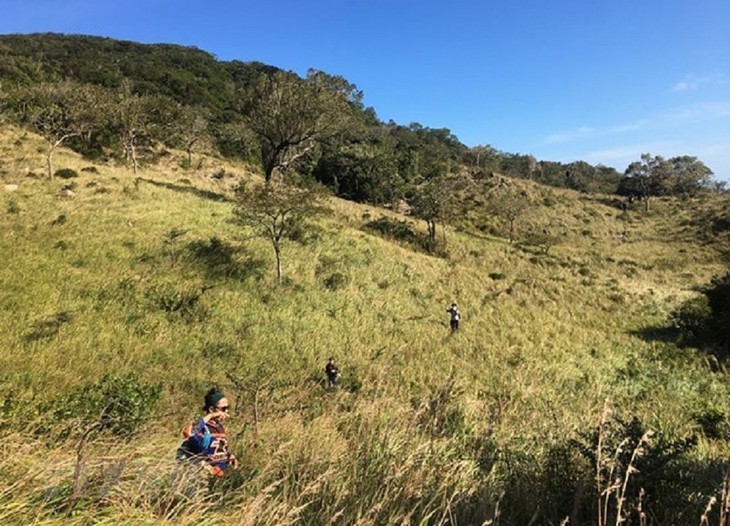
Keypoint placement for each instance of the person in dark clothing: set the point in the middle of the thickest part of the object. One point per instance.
(205, 442)
(333, 372)
(455, 316)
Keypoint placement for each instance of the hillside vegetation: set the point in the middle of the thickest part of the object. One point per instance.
(142, 288)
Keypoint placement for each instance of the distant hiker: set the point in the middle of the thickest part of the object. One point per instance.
(333, 372)
(455, 316)
(205, 439)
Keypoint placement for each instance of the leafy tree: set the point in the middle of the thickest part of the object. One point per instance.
(508, 204)
(690, 175)
(650, 177)
(362, 168)
(277, 212)
(434, 200)
(189, 127)
(133, 118)
(290, 116)
(484, 160)
(58, 113)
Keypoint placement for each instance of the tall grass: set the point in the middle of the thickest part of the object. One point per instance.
(150, 275)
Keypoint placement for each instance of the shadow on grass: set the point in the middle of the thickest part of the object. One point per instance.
(48, 327)
(204, 194)
(657, 334)
(221, 259)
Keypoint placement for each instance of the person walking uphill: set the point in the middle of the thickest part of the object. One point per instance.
(205, 442)
(333, 372)
(455, 316)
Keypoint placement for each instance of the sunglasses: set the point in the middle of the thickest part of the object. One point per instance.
(224, 408)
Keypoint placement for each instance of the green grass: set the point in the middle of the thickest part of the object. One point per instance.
(427, 426)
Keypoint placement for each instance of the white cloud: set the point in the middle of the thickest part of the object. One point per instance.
(693, 82)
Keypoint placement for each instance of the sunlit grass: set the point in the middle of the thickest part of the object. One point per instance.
(545, 339)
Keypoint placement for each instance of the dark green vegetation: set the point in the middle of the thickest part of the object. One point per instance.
(187, 99)
(588, 382)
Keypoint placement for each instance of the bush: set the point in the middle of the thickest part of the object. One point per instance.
(66, 173)
(182, 301)
(705, 320)
(393, 229)
(90, 169)
(691, 318)
(120, 405)
(335, 281)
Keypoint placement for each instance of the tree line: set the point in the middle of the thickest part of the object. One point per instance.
(110, 98)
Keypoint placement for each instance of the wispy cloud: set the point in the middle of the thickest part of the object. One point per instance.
(692, 112)
(702, 110)
(628, 153)
(589, 132)
(567, 136)
(693, 82)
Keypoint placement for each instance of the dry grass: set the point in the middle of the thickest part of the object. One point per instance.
(427, 427)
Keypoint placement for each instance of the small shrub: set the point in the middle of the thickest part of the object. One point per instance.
(217, 350)
(60, 220)
(66, 173)
(335, 281)
(690, 319)
(90, 169)
(180, 301)
(13, 207)
(549, 201)
(714, 424)
(497, 276)
(119, 404)
(399, 230)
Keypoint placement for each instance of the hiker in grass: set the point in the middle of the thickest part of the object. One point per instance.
(455, 316)
(333, 372)
(205, 439)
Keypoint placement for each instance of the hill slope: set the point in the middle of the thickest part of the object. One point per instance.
(149, 276)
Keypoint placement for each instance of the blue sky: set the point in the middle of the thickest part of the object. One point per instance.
(600, 81)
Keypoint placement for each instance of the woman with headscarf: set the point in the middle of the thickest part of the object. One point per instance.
(205, 439)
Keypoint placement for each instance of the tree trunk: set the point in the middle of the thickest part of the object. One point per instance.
(431, 230)
(256, 415)
(49, 162)
(279, 269)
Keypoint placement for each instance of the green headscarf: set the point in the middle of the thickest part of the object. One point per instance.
(212, 398)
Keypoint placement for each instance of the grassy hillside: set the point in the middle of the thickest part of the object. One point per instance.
(150, 275)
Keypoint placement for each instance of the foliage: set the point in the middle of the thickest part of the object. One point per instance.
(290, 116)
(635, 468)
(705, 320)
(655, 176)
(66, 173)
(207, 100)
(508, 204)
(278, 212)
(120, 404)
